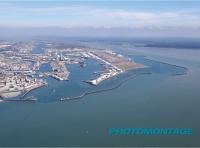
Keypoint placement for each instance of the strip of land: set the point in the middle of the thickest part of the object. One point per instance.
(115, 64)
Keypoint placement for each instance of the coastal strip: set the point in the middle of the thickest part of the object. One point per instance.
(115, 64)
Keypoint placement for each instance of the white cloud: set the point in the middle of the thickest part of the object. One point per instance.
(100, 17)
(132, 15)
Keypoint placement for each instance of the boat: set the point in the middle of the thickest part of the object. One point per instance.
(65, 98)
(82, 64)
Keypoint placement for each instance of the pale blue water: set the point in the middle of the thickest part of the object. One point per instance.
(162, 99)
(76, 85)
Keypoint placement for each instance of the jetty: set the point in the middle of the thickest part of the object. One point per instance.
(29, 99)
(101, 90)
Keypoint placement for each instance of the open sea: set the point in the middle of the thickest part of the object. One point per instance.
(164, 94)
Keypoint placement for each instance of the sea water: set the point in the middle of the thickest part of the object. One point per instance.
(161, 99)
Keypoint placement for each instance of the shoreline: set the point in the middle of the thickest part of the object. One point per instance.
(106, 76)
(22, 93)
(44, 84)
(102, 90)
(123, 81)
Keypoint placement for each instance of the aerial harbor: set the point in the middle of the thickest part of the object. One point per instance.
(99, 73)
(20, 65)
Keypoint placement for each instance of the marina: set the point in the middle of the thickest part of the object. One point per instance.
(23, 75)
(106, 72)
(67, 103)
(99, 73)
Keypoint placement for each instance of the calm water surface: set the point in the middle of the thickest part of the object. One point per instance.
(169, 97)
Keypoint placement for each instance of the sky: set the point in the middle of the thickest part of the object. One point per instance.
(101, 17)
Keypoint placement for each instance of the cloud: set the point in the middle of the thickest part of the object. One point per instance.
(70, 16)
(132, 15)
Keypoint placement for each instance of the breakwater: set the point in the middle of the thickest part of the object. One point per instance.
(26, 92)
(29, 99)
(185, 68)
(103, 90)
